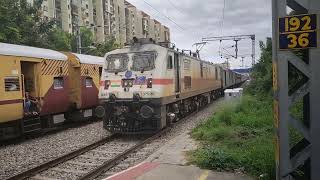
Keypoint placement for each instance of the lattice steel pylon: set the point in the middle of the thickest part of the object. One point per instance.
(301, 159)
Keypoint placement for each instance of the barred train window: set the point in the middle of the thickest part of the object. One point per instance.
(12, 83)
(58, 83)
(187, 82)
(89, 82)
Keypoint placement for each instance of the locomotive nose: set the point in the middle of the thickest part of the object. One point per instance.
(100, 111)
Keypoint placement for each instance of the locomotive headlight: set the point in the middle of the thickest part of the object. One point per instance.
(130, 83)
(125, 83)
(149, 83)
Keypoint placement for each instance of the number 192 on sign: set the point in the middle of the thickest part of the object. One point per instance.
(298, 32)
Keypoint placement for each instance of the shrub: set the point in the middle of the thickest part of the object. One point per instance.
(239, 135)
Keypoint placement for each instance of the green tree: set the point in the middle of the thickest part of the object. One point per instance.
(103, 48)
(262, 71)
(59, 40)
(86, 40)
(21, 23)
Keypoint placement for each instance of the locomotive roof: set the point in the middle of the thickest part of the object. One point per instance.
(28, 51)
(88, 59)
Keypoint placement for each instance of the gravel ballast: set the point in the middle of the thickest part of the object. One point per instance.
(180, 128)
(20, 157)
(17, 158)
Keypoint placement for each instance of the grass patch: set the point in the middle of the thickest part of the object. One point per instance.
(239, 136)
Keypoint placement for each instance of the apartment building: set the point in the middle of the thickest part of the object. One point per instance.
(106, 18)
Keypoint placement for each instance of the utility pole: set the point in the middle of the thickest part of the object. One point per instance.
(242, 61)
(236, 39)
(79, 39)
(227, 62)
(296, 158)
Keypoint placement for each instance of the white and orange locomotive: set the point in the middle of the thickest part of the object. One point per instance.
(146, 86)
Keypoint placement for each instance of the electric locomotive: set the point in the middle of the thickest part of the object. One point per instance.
(144, 87)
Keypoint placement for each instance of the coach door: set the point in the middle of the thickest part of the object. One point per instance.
(28, 73)
(177, 72)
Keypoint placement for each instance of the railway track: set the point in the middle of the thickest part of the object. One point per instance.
(90, 161)
(93, 160)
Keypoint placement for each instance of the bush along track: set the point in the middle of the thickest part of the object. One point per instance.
(239, 137)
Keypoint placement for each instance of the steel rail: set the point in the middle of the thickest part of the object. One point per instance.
(64, 158)
(108, 164)
(113, 162)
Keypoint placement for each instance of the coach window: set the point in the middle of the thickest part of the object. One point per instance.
(58, 83)
(89, 82)
(12, 84)
(170, 62)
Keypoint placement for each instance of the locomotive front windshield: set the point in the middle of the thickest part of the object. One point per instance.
(117, 62)
(143, 61)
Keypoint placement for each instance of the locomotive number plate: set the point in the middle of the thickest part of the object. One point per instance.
(298, 32)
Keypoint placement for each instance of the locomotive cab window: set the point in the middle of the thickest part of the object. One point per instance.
(117, 62)
(144, 61)
(12, 84)
(170, 62)
(89, 82)
(58, 83)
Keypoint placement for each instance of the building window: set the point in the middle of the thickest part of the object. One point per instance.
(87, 6)
(89, 82)
(169, 63)
(58, 83)
(12, 83)
(68, 6)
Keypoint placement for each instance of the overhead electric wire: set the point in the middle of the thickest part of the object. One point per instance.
(174, 6)
(164, 15)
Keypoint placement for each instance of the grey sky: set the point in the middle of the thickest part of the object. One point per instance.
(201, 18)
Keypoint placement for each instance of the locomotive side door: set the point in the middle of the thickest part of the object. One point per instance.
(177, 73)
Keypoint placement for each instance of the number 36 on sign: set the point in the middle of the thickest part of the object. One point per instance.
(298, 32)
